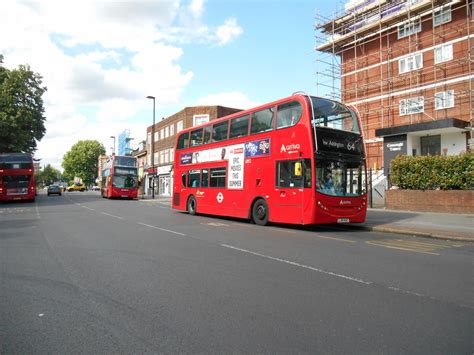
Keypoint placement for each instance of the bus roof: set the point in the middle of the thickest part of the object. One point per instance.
(256, 108)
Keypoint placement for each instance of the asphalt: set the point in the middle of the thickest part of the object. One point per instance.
(446, 226)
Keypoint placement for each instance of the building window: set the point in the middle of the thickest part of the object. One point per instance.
(148, 138)
(412, 62)
(444, 99)
(155, 158)
(167, 131)
(172, 130)
(409, 28)
(430, 145)
(200, 119)
(156, 136)
(179, 126)
(171, 155)
(162, 157)
(412, 105)
(443, 53)
(442, 15)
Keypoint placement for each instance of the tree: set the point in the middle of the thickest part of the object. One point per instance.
(82, 161)
(48, 175)
(21, 109)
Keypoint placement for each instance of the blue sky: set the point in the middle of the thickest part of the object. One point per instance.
(100, 59)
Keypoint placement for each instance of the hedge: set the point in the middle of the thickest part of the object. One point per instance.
(433, 172)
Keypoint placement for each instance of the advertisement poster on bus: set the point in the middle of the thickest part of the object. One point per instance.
(236, 167)
(258, 148)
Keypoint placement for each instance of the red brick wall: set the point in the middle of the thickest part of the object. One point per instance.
(454, 201)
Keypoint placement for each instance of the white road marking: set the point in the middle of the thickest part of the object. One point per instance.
(37, 212)
(298, 265)
(111, 215)
(88, 208)
(161, 229)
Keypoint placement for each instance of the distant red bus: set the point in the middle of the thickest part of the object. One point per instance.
(17, 177)
(298, 160)
(120, 177)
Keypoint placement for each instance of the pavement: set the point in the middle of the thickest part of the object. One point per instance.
(446, 226)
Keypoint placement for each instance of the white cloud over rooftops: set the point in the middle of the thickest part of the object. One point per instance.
(107, 55)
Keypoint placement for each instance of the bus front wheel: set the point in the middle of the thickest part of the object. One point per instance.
(260, 212)
(192, 204)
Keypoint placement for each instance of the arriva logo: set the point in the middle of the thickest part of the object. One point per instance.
(342, 203)
(289, 147)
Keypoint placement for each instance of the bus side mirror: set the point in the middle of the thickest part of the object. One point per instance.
(298, 169)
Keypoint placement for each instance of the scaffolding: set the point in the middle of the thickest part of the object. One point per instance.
(359, 51)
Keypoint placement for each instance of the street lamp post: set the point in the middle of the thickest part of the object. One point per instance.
(113, 152)
(153, 148)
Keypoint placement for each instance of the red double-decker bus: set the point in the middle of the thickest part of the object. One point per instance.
(298, 160)
(119, 177)
(17, 177)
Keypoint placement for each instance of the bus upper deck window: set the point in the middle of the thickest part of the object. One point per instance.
(207, 135)
(219, 131)
(196, 138)
(288, 114)
(183, 141)
(262, 121)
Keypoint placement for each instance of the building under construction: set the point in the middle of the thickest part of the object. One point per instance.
(407, 67)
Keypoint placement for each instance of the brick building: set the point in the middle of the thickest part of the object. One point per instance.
(164, 134)
(407, 66)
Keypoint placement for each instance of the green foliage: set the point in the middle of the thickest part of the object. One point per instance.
(21, 109)
(433, 172)
(47, 176)
(82, 161)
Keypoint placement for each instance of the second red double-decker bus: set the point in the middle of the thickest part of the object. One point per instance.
(119, 177)
(298, 160)
(17, 177)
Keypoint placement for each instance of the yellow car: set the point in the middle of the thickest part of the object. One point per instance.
(77, 187)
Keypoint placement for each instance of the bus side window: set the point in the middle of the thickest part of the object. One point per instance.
(262, 121)
(218, 177)
(204, 178)
(183, 179)
(239, 126)
(196, 138)
(288, 114)
(307, 172)
(288, 174)
(219, 131)
(194, 177)
(207, 135)
(183, 141)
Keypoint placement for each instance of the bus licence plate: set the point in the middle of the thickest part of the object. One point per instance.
(343, 220)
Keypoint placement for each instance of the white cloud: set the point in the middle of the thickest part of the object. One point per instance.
(99, 59)
(229, 99)
(228, 31)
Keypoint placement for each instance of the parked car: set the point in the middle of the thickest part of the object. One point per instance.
(54, 190)
(95, 188)
(77, 187)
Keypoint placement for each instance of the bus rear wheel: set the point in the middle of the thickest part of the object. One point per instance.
(260, 212)
(192, 205)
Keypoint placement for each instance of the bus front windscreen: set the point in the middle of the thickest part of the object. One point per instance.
(332, 114)
(340, 178)
(125, 181)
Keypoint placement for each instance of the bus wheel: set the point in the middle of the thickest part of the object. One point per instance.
(260, 212)
(192, 205)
